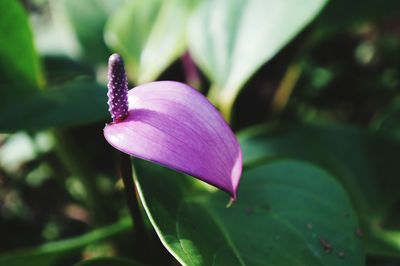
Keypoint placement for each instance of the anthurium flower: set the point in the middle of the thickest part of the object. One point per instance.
(172, 124)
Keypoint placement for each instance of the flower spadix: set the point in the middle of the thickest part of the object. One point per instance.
(173, 125)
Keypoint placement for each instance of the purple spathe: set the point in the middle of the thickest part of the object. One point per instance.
(174, 125)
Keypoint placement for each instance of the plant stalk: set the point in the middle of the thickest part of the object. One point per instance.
(286, 87)
(132, 199)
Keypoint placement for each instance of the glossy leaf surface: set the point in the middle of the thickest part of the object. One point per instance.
(19, 64)
(154, 38)
(74, 103)
(88, 19)
(231, 39)
(365, 163)
(286, 213)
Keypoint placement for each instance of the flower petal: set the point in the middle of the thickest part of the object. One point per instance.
(172, 124)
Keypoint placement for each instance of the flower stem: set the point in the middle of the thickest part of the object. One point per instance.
(132, 199)
(286, 87)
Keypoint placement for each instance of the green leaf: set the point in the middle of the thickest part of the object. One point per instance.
(287, 213)
(88, 19)
(19, 64)
(231, 39)
(365, 163)
(51, 253)
(114, 261)
(75, 103)
(150, 35)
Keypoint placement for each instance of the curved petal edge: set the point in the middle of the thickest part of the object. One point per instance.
(174, 125)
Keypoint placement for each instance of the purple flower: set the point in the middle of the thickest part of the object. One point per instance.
(173, 125)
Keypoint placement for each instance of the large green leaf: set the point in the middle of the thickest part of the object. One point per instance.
(150, 35)
(114, 261)
(231, 39)
(52, 253)
(88, 19)
(287, 213)
(75, 103)
(19, 63)
(365, 163)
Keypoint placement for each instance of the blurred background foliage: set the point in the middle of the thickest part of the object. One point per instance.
(312, 87)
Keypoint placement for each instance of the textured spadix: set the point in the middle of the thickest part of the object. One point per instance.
(172, 124)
